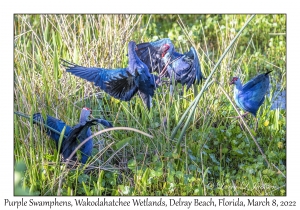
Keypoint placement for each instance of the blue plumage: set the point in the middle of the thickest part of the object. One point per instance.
(54, 123)
(160, 56)
(122, 83)
(74, 135)
(250, 96)
(152, 53)
(105, 123)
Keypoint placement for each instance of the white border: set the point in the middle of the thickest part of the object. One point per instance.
(154, 6)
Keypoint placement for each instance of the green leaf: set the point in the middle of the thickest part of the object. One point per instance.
(239, 136)
(179, 174)
(121, 143)
(145, 177)
(238, 151)
(131, 164)
(213, 158)
(83, 178)
(125, 190)
(192, 167)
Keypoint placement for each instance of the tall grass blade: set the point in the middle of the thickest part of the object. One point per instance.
(196, 100)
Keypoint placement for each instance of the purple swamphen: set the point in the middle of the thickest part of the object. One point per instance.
(121, 83)
(73, 135)
(250, 96)
(160, 56)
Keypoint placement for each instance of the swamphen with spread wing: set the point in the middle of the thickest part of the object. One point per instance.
(160, 56)
(122, 83)
(73, 135)
(250, 96)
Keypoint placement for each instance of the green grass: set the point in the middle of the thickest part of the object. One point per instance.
(217, 154)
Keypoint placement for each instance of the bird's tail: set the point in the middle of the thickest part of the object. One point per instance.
(67, 64)
(38, 117)
(268, 72)
(106, 123)
(147, 99)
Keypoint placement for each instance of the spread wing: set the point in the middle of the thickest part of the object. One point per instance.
(186, 68)
(118, 83)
